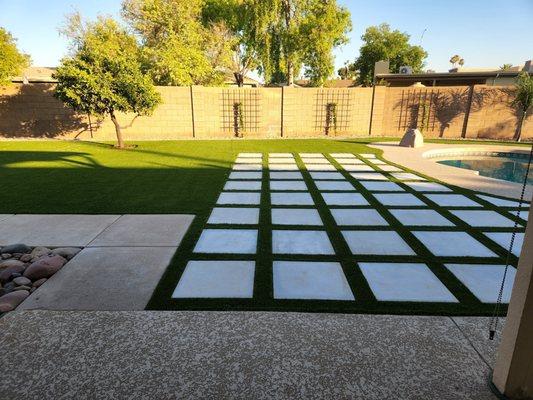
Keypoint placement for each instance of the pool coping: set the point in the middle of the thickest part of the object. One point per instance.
(423, 160)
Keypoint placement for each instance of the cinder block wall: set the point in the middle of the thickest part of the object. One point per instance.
(31, 111)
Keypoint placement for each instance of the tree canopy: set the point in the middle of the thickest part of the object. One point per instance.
(523, 100)
(103, 74)
(12, 61)
(383, 43)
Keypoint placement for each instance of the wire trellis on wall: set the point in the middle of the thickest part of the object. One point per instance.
(338, 100)
(248, 102)
(417, 110)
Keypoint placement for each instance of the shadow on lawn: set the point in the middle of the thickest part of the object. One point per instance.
(13, 157)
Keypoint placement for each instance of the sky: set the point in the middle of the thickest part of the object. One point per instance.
(486, 33)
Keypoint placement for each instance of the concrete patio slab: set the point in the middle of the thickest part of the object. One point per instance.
(104, 278)
(428, 187)
(382, 186)
(334, 186)
(227, 241)
(377, 243)
(234, 215)
(252, 155)
(389, 168)
(53, 230)
(357, 168)
(216, 279)
(523, 214)
(501, 202)
(245, 175)
(484, 218)
(283, 167)
(358, 217)
(320, 167)
(295, 216)
(327, 176)
(274, 155)
(484, 281)
(283, 160)
(246, 198)
(247, 167)
(247, 355)
(286, 175)
(288, 199)
(288, 185)
(315, 161)
(452, 200)
(453, 244)
(310, 280)
(350, 161)
(398, 199)
(5, 216)
(248, 160)
(301, 242)
(407, 176)
(504, 240)
(342, 155)
(369, 176)
(344, 199)
(421, 218)
(405, 282)
(377, 161)
(144, 230)
(243, 185)
(311, 155)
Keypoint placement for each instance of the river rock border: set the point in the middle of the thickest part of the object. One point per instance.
(23, 269)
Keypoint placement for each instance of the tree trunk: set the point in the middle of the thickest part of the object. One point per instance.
(290, 73)
(518, 133)
(118, 131)
(239, 79)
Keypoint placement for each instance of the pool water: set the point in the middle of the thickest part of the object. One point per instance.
(508, 169)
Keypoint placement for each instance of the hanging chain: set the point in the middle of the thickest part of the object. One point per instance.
(496, 314)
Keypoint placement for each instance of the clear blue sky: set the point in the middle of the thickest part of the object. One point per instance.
(486, 33)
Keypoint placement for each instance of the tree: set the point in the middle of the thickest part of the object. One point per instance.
(12, 61)
(103, 74)
(291, 34)
(177, 48)
(523, 100)
(347, 71)
(456, 59)
(506, 67)
(382, 43)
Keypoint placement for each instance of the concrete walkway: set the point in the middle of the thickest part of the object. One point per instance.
(414, 159)
(174, 355)
(123, 259)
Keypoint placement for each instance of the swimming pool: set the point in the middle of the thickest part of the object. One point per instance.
(508, 169)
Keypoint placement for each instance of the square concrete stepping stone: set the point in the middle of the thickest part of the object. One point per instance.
(287, 199)
(247, 198)
(288, 185)
(295, 216)
(145, 230)
(5, 216)
(227, 241)
(327, 176)
(377, 242)
(407, 176)
(358, 217)
(310, 281)
(501, 202)
(523, 214)
(350, 161)
(283, 167)
(243, 185)
(248, 167)
(484, 218)
(281, 160)
(344, 199)
(55, 230)
(452, 200)
(420, 218)
(368, 155)
(315, 161)
(342, 155)
(234, 215)
(286, 175)
(216, 279)
(377, 161)
(244, 160)
(428, 187)
(275, 155)
(390, 168)
(104, 279)
(405, 282)
(311, 155)
(382, 187)
(453, 244)
(484, 281)
(301, 242)
(252, 155)
(504, 240)
(357, 168)
(369, 176)
(246, 175)
(398, 199)
(320, 167)
(334, 186)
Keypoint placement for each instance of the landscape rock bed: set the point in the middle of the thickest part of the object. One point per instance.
(23, 269)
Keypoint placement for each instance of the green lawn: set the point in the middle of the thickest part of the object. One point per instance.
(187, 177)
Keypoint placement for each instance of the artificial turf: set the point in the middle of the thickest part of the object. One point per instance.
(187, 177)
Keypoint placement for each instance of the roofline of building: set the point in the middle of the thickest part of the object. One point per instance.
(451, 75)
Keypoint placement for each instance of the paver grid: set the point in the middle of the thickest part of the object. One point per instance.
(412, 218)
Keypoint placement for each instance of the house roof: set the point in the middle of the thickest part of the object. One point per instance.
(455, 76)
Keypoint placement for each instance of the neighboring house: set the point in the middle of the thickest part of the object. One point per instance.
(457, 77)
(330, 83)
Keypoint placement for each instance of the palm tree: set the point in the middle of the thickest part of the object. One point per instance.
(523, 100)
